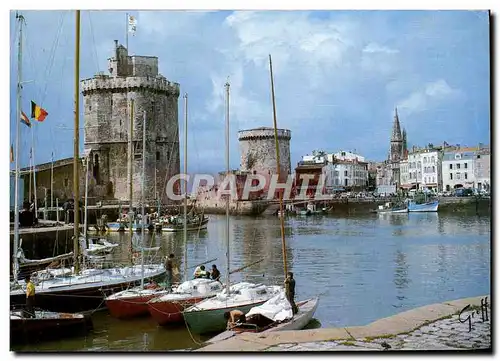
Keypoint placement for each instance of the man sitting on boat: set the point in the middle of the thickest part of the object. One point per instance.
(290, 291)
(215, 274)
(30, 298)
(233, 317)
(201, 273)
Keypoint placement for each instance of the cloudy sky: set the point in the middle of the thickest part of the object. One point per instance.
(338, 75)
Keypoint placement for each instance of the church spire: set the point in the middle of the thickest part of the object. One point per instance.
(396, 129)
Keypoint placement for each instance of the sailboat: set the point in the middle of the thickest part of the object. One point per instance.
(56, 290)
(276, 314)
(168, 308)
(208, 316)
(133, 302)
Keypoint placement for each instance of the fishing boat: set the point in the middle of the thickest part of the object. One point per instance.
(423, 207)
(46, 325)
(116, 226)
(176, 223)
(274, 315)
(390, 208)
(81, 289)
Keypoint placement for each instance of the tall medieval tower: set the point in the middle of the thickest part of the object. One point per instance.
(107, 114)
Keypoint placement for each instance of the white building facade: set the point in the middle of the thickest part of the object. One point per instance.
(422, 170)
(458, 169)
(342, 170)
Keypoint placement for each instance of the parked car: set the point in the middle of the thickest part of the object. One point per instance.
(464, 192)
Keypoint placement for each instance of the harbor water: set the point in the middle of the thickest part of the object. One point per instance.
(363, 268)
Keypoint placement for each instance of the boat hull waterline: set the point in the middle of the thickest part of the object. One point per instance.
(300, 320)
(62, 296)
(209, 321)
(133, 302)
(426, 207)
(47, 326)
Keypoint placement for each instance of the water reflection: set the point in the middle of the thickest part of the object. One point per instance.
(363, 267)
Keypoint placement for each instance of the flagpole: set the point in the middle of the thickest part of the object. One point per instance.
(34, 167)
(126, 32)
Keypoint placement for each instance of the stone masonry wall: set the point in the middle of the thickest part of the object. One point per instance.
(258, 151)
(107, 119)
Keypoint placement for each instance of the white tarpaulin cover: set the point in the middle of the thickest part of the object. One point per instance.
(277, 308)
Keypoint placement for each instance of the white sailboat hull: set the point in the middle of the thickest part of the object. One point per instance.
(299, 321)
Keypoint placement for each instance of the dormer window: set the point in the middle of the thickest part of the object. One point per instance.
(458, 156)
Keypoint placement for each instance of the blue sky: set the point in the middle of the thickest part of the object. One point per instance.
(338, 75)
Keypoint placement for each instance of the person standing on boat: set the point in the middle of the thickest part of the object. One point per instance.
(215, 274)
(169, 266)
(30, 297)
(290, 291)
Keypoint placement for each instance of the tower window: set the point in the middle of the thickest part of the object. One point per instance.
(157, 156)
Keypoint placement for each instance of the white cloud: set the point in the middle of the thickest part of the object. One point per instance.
(376, 48)
(430, 96)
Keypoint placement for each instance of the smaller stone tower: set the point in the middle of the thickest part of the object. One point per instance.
(258, 151)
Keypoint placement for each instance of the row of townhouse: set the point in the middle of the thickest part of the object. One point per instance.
(341, 170)
(446, 168)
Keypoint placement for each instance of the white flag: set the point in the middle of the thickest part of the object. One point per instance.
(132, 24)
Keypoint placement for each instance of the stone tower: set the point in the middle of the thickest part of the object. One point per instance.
(107, 113)
(396, 153)
(258, 151)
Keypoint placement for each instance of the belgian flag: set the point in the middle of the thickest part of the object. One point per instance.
(37, 112)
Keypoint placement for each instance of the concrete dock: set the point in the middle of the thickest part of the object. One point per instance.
(432, 327)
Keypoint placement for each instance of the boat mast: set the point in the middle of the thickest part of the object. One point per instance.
(227, 175)
(130, 174)
(76, 147)
(20, 18)
(282, 218)
(143, 184)
(51, 182)
(85, 224)
(185, 185)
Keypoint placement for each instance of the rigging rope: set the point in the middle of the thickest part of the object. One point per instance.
(41, 96)
(94, 48)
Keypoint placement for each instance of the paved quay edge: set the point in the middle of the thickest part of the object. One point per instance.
(401, 323)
